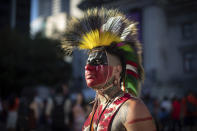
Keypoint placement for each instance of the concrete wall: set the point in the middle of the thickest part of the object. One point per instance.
(155, 40)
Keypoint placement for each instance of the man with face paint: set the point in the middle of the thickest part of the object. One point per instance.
(97, 70)
(113, 70)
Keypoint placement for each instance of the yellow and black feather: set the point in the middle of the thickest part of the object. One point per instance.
(99, 27)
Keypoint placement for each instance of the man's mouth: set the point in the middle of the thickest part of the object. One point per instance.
(90, 76)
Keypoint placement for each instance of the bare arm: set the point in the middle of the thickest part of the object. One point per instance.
(137, 117)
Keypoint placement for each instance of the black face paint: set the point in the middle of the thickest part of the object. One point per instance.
(97, 58)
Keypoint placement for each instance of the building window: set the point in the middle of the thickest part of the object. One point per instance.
(190, 62)
(187, 30)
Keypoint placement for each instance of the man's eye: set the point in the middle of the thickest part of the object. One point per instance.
(95, 62)
(98, 61)
(88, 61)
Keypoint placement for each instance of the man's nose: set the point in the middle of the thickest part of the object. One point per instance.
(89, 67)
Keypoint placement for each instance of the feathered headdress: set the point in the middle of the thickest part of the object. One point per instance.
(113, 31)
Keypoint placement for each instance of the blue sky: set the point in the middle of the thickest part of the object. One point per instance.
(34, 10)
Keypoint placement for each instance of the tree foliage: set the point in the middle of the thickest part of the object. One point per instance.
(28, 62)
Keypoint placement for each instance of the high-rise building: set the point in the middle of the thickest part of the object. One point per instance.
(51, 17)
(44, 8)
(15, 14)
(5, 12)
(51, 7)
(22, 18)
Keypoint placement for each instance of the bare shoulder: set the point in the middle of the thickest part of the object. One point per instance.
(136, 108)
(137, 116)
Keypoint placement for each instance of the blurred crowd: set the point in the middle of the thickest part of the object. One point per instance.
(174, 113)
(59, 112)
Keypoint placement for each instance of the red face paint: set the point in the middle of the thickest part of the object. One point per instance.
(98, 75)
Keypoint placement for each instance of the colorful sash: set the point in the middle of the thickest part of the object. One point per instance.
(106, 118)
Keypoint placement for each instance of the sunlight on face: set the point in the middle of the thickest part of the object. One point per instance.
(99, 69)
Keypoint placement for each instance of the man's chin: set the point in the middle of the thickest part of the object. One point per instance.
(95, 87)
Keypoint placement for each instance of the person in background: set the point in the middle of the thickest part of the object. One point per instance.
(166, 104)
(43, 117)
(1, 108)
(12, 112)
(163, 119)
(165, 111)
(78, 111)
(58, 109)
(189, 106)
(28, 110)
(175, 114)
(35, 111)
(3, 114)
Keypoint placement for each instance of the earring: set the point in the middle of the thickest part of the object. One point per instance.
(115, 82)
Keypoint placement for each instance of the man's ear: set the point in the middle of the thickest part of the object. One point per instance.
(118, 69)
(117, 73)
